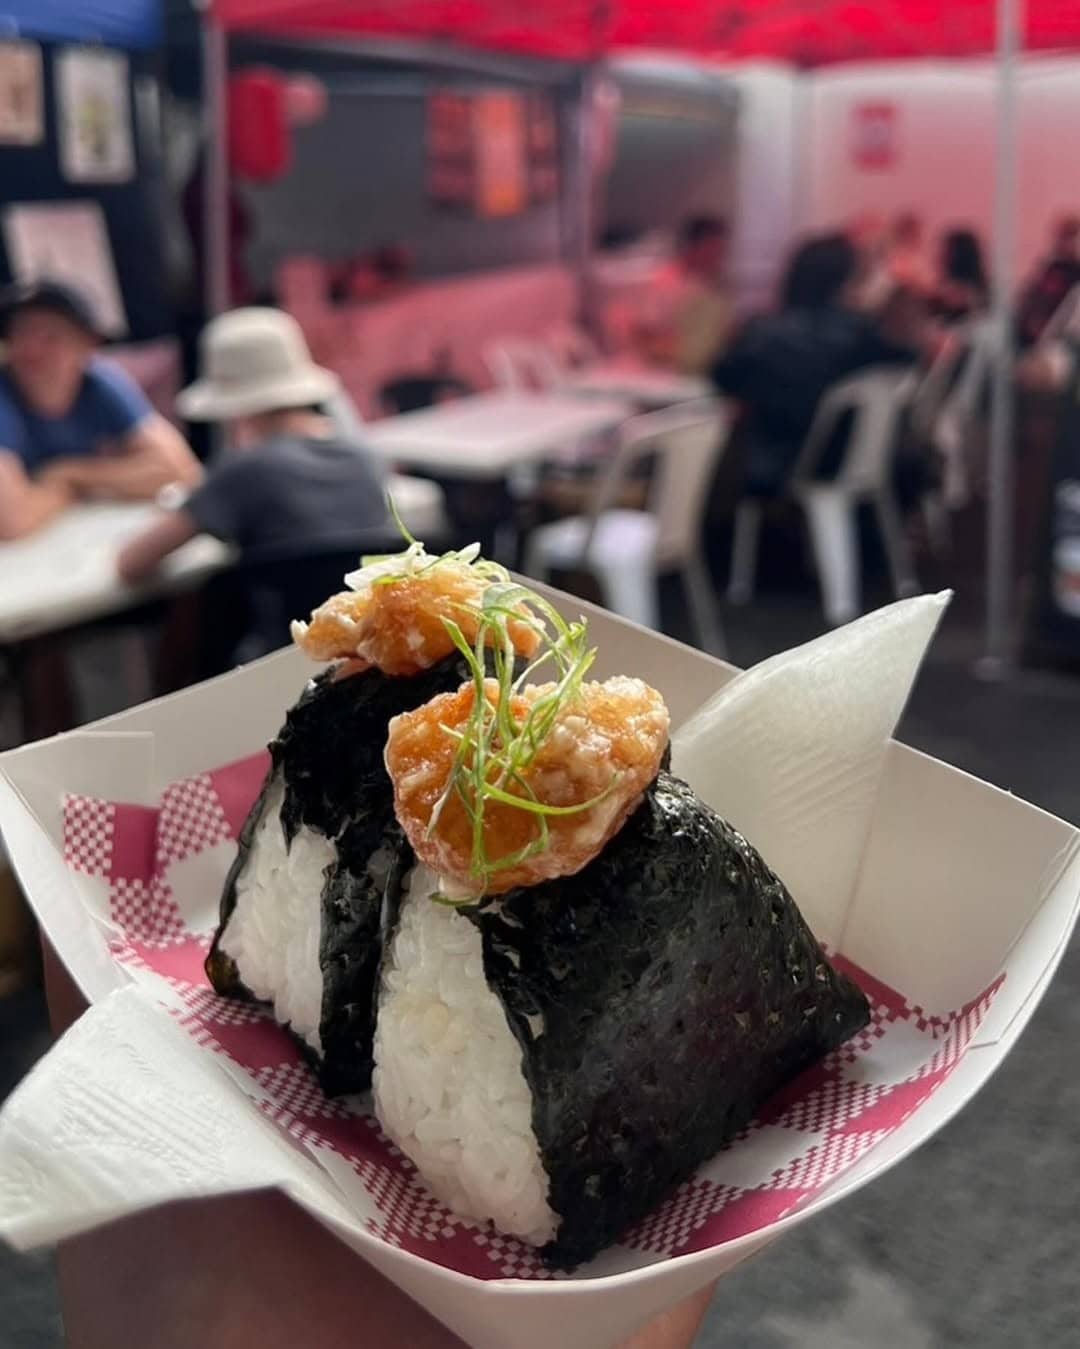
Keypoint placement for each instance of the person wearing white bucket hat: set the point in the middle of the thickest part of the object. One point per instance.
(286, 480)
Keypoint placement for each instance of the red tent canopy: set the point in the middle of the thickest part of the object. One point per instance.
(803, 32)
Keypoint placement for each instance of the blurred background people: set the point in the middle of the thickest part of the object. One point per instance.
(962, 290)
(906, 260)
(781, 363)
(1053, 279)
(72, 424)
(287, 480)
(872, 285)
(383, 274)
(687, 319)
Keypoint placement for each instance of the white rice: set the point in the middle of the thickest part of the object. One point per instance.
(273, 933)
(449, 1087)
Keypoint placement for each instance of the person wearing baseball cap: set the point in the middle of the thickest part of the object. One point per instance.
(288, 480)
(73, 425)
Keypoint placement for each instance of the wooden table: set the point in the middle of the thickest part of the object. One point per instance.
(486, 436)
(646, 386)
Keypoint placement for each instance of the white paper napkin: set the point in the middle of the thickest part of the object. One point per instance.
(791, 751)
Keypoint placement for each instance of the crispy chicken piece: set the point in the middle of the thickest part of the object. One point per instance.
(606, 743)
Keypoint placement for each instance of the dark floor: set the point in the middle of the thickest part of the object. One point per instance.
(972, 1242)
(29, 1311)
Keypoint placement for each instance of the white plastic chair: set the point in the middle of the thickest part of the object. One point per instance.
(960, 410)
(628, 550)
(571, 347)
(877, 399)
(421, 504)
(1064, 321)
(521, 366)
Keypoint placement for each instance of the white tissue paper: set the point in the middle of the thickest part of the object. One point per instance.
(791, 752)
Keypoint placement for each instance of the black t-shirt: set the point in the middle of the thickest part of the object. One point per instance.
(291, 491)
(1047, 289)
(780, 365)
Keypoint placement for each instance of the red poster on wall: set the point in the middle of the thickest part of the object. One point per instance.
(874, 135)
(492, 152)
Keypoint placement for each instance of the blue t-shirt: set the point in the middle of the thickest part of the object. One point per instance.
(108, 406)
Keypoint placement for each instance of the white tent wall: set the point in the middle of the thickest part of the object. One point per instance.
(945, 140)
(769, 176)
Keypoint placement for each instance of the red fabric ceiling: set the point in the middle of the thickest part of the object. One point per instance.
(804, 32)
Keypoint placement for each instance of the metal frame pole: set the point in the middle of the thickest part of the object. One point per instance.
(583, 195)
(215, 53)
(1000, 510)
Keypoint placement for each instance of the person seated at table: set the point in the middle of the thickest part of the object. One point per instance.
(287, 480)
(905, 255)
(73, 425)
(962, 290)
(1056, 275)
(686, 319)
(780, 364)
(383, 274)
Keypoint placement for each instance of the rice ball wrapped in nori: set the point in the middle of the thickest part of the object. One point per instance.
(320, 855)
(599, 983)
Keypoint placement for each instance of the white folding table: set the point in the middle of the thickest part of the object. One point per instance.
(65, 574)
(646, 386)
(486, 436)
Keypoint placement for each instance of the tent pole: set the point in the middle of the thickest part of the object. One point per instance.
(215, 54)
(999, 651)
(584, 188)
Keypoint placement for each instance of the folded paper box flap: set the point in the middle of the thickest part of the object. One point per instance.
(954, 872)
(942, 887)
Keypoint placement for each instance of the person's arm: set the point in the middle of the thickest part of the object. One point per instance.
(26, 505)
(734, 372)
(153, 454)
(143, 554)
(705, 331)
(156, 1278)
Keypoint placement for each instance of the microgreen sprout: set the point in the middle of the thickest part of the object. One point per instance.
(497, 745)
(379, 569)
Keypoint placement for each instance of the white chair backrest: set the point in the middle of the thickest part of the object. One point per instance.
(522, 366)
(687, 442)
(1065, 319)
(962, 403)
(571, 346)
(939, 382)
(877, 398)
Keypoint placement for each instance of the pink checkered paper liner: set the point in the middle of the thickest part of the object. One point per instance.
(155, 875)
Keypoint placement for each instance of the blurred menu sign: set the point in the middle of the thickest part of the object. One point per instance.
(491, 153)
(94, 113)
(874, 135)
(502, 183)
(66, 241)
(22, 112)
(543, 148)
(450, 149)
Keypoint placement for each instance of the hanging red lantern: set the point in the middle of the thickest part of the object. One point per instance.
(260, 144)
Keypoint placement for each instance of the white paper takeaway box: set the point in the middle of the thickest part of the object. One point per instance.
(957, 884)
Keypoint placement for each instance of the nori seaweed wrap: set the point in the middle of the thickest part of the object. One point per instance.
(327, 776)
(595, 981)
(314, 885)
(659, 997)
